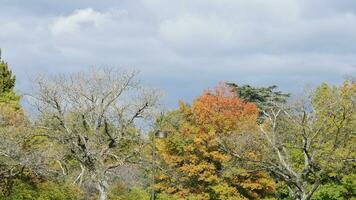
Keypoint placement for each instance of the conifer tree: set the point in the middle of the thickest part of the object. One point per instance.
(7, 79)
(10, 109)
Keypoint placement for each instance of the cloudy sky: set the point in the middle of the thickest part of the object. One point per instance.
(184, 46)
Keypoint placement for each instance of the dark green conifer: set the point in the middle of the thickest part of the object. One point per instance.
(7, 79)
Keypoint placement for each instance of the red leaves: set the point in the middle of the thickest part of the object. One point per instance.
(222, 109)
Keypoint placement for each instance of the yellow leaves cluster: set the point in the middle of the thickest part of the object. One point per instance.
(335, 109)
(192, 151)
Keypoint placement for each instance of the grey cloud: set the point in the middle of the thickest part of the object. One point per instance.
(184, 46)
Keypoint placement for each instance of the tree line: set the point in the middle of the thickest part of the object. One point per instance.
(90, 136)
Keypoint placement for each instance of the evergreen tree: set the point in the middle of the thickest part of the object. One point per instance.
(263, 97)
(7, 80)
(10, 108)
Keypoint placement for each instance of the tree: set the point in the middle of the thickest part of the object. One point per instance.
(193, 161)
(7, 80)
(92, 118)
(10, 109)
(263, 97)
(309, 139)
(17, 161)
(344, 188)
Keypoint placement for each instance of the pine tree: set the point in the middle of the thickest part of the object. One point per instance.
(263, 97)
(7, 79)
(10, 108)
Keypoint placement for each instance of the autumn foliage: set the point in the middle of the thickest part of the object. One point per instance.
(222, 109)
(194, 161)
(86, 139)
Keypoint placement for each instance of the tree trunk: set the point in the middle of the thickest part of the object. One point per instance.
(302, 195)
(102, 187)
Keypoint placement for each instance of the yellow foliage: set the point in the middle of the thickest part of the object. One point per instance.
(193, 156)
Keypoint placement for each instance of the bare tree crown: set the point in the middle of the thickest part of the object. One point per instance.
(92, 116)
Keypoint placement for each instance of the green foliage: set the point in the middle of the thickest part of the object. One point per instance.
(133, 193)
(11, 113)
(261, 96)
(165, 196)
(136, 193)
(335, 108)
(282, 192)
(193, 165)
(330, 191)
(349, 183)
(23, 190)
(139, 193)
(335, 189)
(7, 80)
(9, 101)
(10, 98)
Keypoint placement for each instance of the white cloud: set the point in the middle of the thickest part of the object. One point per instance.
(9, 28)
(195, 30)
(257, 26)
(183, 43)
(81, 19)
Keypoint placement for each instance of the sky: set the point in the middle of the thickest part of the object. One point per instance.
(184, 46)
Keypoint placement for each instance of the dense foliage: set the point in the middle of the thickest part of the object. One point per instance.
(193, 155)
(7, 80)
(233, 142)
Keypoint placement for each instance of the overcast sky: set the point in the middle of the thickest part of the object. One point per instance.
(184, 46)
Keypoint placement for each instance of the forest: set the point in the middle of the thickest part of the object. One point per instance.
(102, 134)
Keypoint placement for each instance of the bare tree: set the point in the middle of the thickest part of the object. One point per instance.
(300, 143)
(93, 117)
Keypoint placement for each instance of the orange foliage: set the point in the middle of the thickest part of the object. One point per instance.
(192, 152)
(221, 108)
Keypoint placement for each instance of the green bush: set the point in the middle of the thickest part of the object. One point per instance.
(134, 193)
(43, 191)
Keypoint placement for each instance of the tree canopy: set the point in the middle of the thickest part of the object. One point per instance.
(196, 164)
(91, 136)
